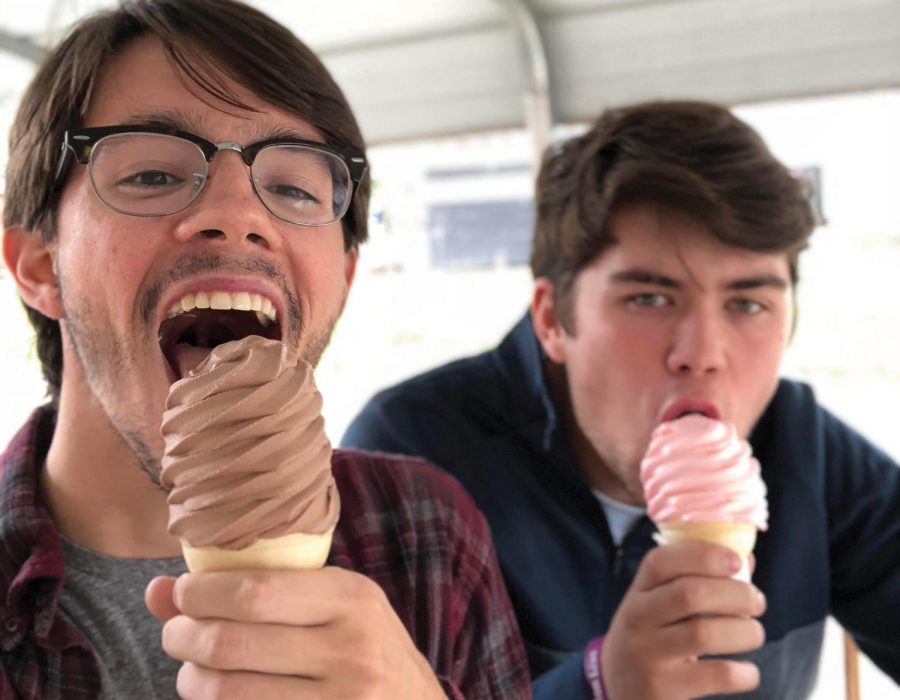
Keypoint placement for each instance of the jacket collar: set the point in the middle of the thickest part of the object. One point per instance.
(521, 355)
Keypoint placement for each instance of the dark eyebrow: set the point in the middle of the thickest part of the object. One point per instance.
(179, 120)
(771, 281)
(640, 276)
(169, 119)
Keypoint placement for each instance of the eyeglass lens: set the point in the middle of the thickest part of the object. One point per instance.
(149, 174)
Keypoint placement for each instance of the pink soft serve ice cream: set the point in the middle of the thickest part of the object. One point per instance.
(698, 469)
(701, 482)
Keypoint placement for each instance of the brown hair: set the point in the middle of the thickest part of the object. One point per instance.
(209, 40)
(695, 158)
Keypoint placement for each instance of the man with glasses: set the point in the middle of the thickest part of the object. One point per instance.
(665, 254)
(193, 154)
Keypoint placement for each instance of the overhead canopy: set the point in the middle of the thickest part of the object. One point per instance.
(414, 69)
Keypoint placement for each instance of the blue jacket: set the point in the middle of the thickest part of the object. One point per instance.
(833, 545)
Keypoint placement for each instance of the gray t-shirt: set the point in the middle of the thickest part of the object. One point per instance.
(104, 597)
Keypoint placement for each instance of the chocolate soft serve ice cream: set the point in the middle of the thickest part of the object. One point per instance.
(247, 463)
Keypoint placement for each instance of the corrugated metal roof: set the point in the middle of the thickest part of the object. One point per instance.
(414, 69)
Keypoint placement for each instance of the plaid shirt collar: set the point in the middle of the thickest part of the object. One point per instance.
(32, 568)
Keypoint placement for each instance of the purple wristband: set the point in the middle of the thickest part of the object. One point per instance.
(593, 672)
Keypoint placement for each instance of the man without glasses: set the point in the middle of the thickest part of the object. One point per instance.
(176, 155)
(665, 258)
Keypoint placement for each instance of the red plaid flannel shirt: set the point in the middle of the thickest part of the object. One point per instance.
(403, 523)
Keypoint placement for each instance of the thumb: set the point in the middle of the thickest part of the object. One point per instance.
(158, 598)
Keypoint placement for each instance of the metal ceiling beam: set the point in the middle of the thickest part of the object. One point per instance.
(538, 107)
(20, 46)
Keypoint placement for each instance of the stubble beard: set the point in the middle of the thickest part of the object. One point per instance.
(88, 344)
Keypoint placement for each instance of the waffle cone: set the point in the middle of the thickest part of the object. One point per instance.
(740, 537)
(296, 551)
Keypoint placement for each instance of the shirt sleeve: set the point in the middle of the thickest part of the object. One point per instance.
(374, 429)
(6, 689)
(565, 680)
(863, 492)
(488, 658)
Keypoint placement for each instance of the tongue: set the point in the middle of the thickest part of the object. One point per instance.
(187, 357)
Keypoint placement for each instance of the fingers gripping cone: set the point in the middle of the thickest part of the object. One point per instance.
(739, 537)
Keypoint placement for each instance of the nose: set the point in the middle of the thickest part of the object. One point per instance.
(228, 210)
(698, 345)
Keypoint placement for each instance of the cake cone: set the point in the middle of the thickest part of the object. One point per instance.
(296, 551)
(739, 537)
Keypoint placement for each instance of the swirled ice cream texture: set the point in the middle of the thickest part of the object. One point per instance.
(698, 469)
(246, 453)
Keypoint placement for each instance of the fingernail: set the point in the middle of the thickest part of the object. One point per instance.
(178, 587)
(761, 597)
(733, 562)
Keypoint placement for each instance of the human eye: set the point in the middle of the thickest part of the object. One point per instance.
(292, 194)
(292, 177)
(651, 300)
(152, 178)
(749, 307)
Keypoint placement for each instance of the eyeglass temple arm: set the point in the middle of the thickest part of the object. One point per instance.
(61, 164)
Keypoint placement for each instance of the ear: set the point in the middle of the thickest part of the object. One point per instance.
(31, 264)
(350, 259)
(550, 332)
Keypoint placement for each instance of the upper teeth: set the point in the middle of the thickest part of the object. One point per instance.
(225, 301)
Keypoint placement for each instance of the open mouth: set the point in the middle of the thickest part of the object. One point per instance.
(692, 413)
(197, 323)
(690, 408)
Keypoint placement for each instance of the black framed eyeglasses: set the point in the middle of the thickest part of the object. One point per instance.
(154, 171)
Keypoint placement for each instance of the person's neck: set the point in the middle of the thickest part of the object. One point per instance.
(94, 489)
(593, 467)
